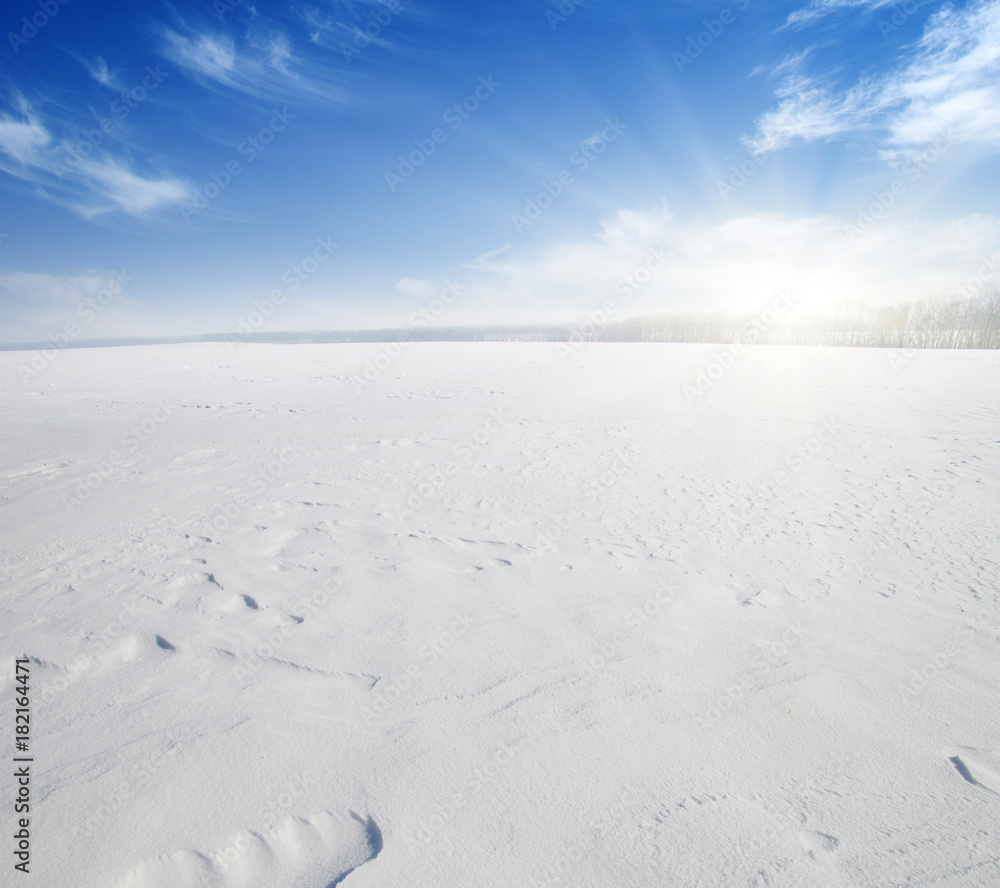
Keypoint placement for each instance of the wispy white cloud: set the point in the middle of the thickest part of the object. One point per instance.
(262, 65)
(787, 67)
(131, 193)
(99, 71)
(810, 111)
(208, 55)
(820, 9)
(949, 82)
(100, 184)
(368, 20)
(953, 82)
(22, 140)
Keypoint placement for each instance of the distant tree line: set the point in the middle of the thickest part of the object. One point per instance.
(971, 322)
(966, 322)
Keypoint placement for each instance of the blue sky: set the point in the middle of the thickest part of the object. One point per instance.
(533, 155)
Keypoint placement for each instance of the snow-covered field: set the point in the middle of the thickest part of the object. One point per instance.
(504, 617)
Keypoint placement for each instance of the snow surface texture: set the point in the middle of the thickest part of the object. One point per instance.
(504, 617)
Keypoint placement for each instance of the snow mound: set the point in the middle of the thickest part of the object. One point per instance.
(299, 852)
